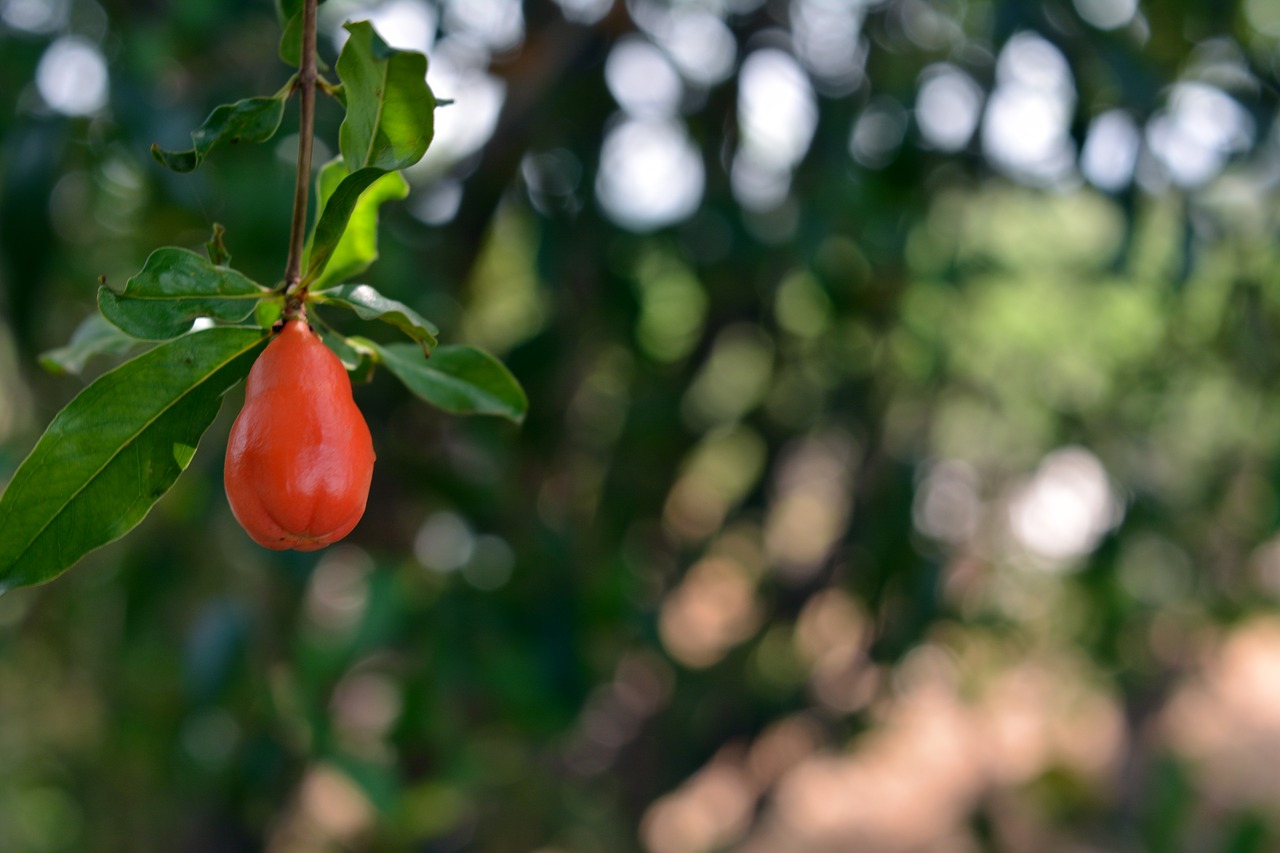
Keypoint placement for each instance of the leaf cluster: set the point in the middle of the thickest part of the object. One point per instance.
(122, 442)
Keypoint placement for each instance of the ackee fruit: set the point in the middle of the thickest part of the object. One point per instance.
(300, 456)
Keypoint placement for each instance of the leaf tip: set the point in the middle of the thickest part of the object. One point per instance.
(51, 365)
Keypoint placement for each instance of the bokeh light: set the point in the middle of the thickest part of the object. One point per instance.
(641, 79)
(1198, 132)
(1111, 148)
(72, 77)
(1026, 125)
(651, 175)
(947, 107)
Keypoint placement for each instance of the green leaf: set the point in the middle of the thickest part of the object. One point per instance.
(291, 41)
(358, 246)
(369, 304)
(287, 9)
(357, 357)
(459, 379)
(268, 311)
(94, 336)
(390, 108)
(174, 288)
(389, 124)
(249, 120)
(290, 49)
(216, 248)
(114, 450)
(333, 220)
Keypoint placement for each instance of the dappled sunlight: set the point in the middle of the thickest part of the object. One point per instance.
(826, 40)
(444, 542)
(650, 174)
(457, 71)
(782, 746)
(948, 505)
(878, 133)
(699, 43)
(1107, 14)
(947, 107)
(777, 117)
(1225, 717)
(329, 808)
(811, 502)
(338, 592)
(877, 798)
(642, 80)
(1062, 512)
(1027, 119)
(365, 705)
(712, 809)
(584, 12)
(734, 378)
(72, 77)
(1197, 133)
(497, 24)
(935, 752)
(35, 16)
(1110, 153)
(715, 476)
(831, 639)
(403, 24)
(616, 713)
(712, 610)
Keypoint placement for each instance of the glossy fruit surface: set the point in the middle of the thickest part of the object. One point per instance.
(300, 457)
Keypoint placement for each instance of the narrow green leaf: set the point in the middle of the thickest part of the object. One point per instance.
(174, 288)
(216, 248)
(114, 450)
(286, 9)
(290, 49)
(369, 304)
(390, 108)
(333, 220)
(268, 311)
(249, 120)
(94, 336)
(291, 41)
(357, 249)
(459, 379)
(389, 124)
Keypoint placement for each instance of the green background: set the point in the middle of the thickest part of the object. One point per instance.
(933, 508)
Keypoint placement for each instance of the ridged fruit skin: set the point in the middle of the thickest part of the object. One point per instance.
(300, 456)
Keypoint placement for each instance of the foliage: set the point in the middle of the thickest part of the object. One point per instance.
(109, 456)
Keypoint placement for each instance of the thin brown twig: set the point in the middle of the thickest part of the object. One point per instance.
(306, 130)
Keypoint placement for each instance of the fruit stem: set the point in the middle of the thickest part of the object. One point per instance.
(293, 308)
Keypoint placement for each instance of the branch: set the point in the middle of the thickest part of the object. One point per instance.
(306, 131)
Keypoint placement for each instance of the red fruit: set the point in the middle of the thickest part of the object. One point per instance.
(300, 457)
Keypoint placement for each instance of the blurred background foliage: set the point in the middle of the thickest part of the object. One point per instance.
(900, 475)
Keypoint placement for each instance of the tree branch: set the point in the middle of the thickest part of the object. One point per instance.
(306, 131)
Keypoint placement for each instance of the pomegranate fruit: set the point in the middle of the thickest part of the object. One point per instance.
(300, 456)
